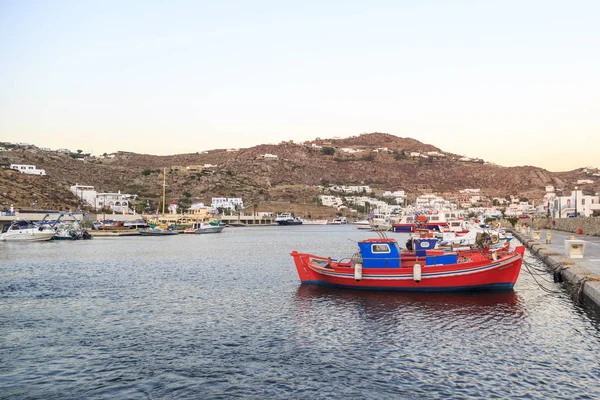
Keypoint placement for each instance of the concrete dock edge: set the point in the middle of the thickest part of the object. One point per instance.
(573, 271)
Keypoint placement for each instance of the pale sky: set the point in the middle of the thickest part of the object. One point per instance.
(512, 82)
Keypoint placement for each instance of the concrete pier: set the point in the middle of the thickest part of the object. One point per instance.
(583, 273)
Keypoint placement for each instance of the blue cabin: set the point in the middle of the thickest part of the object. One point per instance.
(380, 253)
(421, 245)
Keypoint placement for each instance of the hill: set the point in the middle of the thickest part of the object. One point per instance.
(382, 161)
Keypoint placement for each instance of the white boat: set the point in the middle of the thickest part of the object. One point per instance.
(288, 219)
(362, 224)
(25, 231)
(314, 222)
(205, 227)
(67, 226)
(380, 222)
(339, 221)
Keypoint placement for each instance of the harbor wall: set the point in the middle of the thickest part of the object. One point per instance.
(583, 283)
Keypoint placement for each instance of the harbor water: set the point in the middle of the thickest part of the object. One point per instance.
(224, 316)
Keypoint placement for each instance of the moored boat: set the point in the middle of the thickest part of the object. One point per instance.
(380, 264)
(157, 231)
(288, 219)
(205, 227)
(25, 231)
(314, 222)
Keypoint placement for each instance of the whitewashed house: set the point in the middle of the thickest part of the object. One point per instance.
(330, 201)
(28, 169)
(229, 203)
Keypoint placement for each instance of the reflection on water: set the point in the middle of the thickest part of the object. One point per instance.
(224, 316)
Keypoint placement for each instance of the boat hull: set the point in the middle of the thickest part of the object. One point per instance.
(212, 229)
(27, 236)
(289, 222)
(500, 274)
(157, 232)
(404, 228)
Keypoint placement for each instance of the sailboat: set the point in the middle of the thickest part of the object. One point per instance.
(154, 229)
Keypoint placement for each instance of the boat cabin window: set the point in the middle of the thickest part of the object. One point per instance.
(409, 219)
(434, 218)
(380, 248)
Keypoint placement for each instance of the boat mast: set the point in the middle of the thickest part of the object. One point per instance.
(164, 190)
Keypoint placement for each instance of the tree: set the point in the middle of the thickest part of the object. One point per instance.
(328, 151)
(400, 156)
(79, 151)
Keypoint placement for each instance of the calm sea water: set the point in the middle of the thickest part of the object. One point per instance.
(224, 316)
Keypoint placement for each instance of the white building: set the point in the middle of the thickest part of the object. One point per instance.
(473, 191)
(397, 193)
(330, 201)
(352, 189)
(435, 154)
(229, 203)
(27, 169)
(116, 202)
(563, 206)
(433, 202)
(350, 150)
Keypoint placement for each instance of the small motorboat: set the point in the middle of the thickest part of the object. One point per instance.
(157, 231)
(205, 227)
(26, 231)
(380, 264)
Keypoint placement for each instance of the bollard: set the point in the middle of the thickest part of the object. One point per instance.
(575, 248)
(549, 237)
(537, 234)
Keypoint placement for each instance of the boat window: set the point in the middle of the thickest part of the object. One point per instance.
(435, 218)
(380, 248)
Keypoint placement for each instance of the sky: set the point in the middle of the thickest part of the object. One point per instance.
(512, 82)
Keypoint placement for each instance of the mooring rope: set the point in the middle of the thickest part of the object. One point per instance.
(533, 275)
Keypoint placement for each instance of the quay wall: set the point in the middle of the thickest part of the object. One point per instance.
(582, 281)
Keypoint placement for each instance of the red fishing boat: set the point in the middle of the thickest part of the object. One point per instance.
(380, 264)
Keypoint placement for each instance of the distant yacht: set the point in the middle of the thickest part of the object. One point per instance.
(288, 219)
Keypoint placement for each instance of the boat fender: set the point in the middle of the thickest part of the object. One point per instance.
(358, 271)
(495, 255)
(417, 272)
(557, 277)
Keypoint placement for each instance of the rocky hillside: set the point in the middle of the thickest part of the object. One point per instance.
(383, 161)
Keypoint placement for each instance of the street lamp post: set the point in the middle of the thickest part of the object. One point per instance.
(576, 201)
(560, 204)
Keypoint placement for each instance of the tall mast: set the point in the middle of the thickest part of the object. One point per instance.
(164, 189)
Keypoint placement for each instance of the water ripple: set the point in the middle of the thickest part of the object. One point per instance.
(224, 316)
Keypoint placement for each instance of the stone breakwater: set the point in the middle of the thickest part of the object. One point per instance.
(582, 276)
(588, 225)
